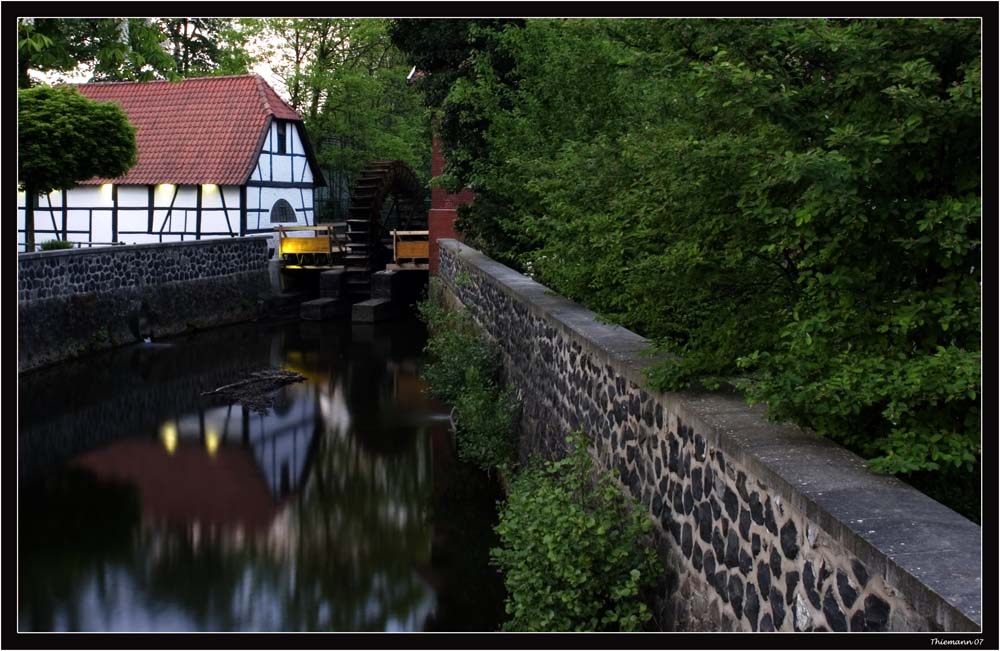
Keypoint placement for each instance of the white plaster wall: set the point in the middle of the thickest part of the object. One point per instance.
(301, 200)
(291, 167)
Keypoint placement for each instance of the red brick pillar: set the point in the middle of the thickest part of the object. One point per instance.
(444, 208)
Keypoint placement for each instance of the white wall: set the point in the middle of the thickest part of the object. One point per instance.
(291, 167)
(88, 214)
(260, 200)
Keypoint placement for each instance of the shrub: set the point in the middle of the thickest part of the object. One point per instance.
(53, 245)
(572, 549)
(455, 346)
(485, 421)
(464, 371)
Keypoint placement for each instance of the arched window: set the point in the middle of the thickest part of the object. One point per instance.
(282, 212)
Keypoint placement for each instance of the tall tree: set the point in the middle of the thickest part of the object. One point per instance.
(206, 46)
(349, 82)
(110, 48)
(797, 201)
(65, 138)
(139, 49)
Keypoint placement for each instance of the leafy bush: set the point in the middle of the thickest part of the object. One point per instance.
(572, 549)
(793, 201)
(455, 346)
(464, 371)
(53, 245)
(485, 420)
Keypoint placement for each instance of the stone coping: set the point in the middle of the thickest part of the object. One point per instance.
(48, 255)
(926, 550)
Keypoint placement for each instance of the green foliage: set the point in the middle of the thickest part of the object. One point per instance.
(793, 201)
(465, 372)
(455, 348)
(485, 420)
(63, 138)
(115, 48)
(574, 552)
(350, 84)
(53, 245)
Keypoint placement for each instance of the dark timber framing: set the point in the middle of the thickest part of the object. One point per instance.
(197, 214)
(243, 210)
(65, 216)
(151, 205)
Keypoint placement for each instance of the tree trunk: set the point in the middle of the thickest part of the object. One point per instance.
(30, 197)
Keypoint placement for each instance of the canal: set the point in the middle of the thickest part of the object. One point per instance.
(145, 506)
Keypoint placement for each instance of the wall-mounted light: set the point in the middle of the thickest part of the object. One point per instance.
(168, 434)
(209, 188)
(106, 188)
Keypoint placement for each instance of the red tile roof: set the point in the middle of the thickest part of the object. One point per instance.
(203, 130)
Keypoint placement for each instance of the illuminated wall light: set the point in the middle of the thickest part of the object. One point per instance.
(168, 434)
(212, 441)
(106, 188)
(209, 188)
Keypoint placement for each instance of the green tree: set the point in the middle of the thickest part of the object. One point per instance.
(132, 49)
(207, 46)
(795, 202)
(64, 138)
(112, 48)
(349, 82)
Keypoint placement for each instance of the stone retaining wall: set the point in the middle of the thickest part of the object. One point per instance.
(80, 300)
(761, 526)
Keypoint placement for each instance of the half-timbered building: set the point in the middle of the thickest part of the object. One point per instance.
(217, 157)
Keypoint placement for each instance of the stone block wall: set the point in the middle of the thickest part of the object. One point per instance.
(760, 526)
(80, 300)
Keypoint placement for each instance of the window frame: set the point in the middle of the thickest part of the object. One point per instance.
(277, 204)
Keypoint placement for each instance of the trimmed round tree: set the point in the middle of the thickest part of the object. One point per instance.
(65, 138)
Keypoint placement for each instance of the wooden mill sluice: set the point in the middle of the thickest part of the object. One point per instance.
(385, 230)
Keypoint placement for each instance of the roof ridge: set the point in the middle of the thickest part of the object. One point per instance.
(166, 81)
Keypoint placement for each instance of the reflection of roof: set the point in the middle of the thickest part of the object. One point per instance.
(189, 485)
(203, 130)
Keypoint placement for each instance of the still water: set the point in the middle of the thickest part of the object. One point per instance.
(145, 506)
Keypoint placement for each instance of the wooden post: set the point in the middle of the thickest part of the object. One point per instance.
(150, 206)
(30, 197)
(243, 210)
(65, 214)
(197, 218)
(114, 212)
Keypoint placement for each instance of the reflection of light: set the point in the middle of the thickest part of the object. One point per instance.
(211, 441)
(169, 435)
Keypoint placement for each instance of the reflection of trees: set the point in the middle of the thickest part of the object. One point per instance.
(71, 527)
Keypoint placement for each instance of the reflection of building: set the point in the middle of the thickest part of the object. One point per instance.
(220, 466)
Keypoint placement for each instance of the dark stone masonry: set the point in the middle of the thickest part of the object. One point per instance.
(81, 300)
(744, 508)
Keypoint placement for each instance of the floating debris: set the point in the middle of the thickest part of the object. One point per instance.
(257, 391)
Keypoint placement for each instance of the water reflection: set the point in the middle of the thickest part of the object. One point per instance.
(342, 508)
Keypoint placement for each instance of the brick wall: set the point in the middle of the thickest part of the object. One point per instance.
(444, 208)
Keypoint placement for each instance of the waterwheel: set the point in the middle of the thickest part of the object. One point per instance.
(387, 196)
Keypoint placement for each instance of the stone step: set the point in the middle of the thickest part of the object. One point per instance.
(374, 310)
(322, 309)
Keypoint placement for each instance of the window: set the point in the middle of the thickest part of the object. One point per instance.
(282, 212)
(281, 137)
